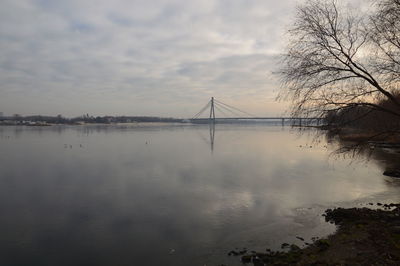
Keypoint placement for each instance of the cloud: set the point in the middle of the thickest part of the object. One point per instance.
(139, 57)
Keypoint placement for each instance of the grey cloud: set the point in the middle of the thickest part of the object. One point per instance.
(157, 57)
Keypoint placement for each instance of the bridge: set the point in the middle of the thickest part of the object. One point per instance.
(238, 115)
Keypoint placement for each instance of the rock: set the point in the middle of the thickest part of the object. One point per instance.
(257, 261)
(392, 173)
(237, 253)
(285, 245)
(233, 253)
(300, 238)
(323, 244)
(246, 258)
(294, 247)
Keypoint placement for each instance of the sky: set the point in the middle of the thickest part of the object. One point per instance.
(141, 57)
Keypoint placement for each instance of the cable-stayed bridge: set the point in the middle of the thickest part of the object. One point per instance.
(230, 114)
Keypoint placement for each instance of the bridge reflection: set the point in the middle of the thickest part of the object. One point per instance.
(212, 136)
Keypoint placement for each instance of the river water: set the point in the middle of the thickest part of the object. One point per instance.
(159, 194)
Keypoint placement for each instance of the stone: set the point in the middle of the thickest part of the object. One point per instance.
(246, 258)
(392, 173)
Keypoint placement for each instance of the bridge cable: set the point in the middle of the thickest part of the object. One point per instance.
(202, 110)
(227, 109)
(235, 113)
(220, 110)
(234, 108)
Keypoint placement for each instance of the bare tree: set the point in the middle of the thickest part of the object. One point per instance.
(386, 37)
(339, 60)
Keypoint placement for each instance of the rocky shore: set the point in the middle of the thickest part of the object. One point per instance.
(364, 237)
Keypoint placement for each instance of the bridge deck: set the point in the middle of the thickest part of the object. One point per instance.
(259, 118)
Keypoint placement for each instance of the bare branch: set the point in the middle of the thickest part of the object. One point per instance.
(330, 61)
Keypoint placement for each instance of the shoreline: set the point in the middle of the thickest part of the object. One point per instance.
(364, 237)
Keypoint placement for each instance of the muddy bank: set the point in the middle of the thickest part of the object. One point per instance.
(364, 237)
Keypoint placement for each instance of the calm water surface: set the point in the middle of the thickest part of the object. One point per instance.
(168, 194)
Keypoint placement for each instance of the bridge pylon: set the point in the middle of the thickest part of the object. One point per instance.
(222, 108)
(212, 110)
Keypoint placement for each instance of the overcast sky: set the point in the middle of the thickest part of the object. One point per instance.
(140, 57)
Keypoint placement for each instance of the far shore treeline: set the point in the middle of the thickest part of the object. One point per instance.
(84, 119)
